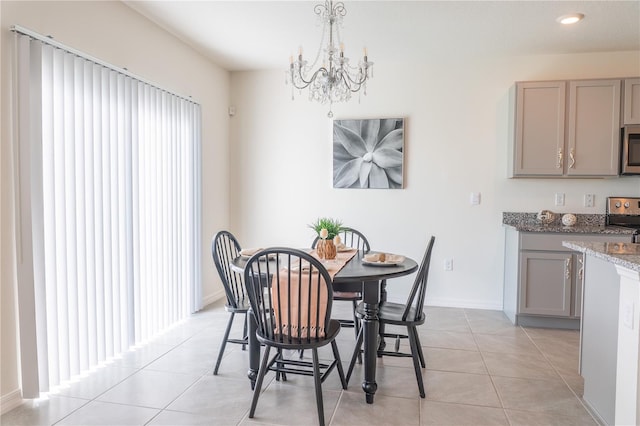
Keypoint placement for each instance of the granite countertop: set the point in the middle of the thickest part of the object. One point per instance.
(611, 252)
(586, 224)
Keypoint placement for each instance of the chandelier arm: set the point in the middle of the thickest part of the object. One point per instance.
(339, 9)
(352, 85)
(357, 81)
(360, 82)
(307, 82)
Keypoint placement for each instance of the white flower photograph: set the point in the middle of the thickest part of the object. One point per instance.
(368, 153)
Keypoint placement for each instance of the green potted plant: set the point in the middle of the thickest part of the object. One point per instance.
(327, 229)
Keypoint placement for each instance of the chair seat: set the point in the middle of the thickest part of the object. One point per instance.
(346, 295)
(391, 313)
(243, 307)
(304, 343)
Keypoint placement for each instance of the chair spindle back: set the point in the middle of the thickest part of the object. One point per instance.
(351, 238)
(290, 293)
(419, 289)
(225, 248)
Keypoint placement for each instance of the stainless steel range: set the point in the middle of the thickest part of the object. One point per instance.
(624, 211)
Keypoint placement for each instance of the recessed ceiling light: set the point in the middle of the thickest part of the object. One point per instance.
(570, 19)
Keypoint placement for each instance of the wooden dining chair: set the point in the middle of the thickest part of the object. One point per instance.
(225, 248)
(355, 239)
(291, 298)
(410, 315)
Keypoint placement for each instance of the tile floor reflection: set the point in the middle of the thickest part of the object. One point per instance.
(481, 370)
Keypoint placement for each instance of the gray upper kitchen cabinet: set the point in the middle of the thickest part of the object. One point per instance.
(631, 101)
(567, 128)
(539, 128)
(593, 128)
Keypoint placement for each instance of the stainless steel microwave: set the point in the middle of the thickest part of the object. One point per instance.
(630, 160)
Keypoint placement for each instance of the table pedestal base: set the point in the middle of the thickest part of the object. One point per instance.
(370, 329)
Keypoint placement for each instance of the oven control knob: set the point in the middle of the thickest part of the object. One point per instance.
(618, 204)
(626, 205)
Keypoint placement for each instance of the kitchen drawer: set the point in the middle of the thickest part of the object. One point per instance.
(541, 241)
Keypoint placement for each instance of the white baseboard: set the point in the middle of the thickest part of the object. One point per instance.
(468, 304)
(213, 297)
(11, 400)
(457, 303)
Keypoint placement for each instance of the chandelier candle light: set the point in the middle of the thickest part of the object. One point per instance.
(335, 80)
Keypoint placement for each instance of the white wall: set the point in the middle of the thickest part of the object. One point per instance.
(116, 34)
(456, 139)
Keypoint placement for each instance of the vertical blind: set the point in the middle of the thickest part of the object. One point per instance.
(109, 181)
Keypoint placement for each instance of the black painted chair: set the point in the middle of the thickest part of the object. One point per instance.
(409, 315)
(354, 239)
(291, 298)
(225, 248)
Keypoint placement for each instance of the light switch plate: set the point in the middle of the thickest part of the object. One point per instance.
(474, 198)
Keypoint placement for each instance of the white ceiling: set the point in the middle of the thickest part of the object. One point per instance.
(247, 35)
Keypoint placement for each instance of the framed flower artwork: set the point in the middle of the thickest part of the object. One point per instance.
(368, 153)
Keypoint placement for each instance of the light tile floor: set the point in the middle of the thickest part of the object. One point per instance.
(481, 370)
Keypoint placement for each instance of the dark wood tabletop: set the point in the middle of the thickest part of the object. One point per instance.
(355, 271)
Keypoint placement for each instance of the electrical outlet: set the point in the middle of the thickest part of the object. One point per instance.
(589, 200)
(559, 199)
(448, 264)
(474, 198)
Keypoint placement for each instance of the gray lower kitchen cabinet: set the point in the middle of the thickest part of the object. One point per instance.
(546, 283)
(543, 280)
(566, 128)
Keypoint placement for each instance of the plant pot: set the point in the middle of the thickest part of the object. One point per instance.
(326, 249)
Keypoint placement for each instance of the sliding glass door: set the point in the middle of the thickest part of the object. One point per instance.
(109, 210)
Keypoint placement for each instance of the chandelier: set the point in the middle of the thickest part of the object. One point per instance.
(335, 80)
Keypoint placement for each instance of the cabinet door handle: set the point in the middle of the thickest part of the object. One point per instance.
(572, 158)
(581, 270)
(559, 163)
(567, 269)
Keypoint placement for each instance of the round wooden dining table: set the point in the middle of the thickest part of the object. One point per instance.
(354, 276)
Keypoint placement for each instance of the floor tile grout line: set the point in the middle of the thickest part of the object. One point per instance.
(543, 353)
(95, 398)
(578, 397)
(335, 409)
(139, 369)
(495, 388)
(64, 417)
(178, 396)
(553, 366)
(112, 363)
